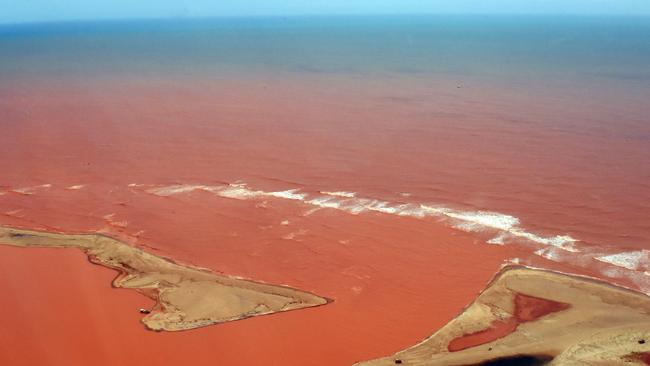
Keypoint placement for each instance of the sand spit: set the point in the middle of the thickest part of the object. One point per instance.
(186, 297)
(537, 317)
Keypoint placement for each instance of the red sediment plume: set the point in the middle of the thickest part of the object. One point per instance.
(527, 309)
(109, 134)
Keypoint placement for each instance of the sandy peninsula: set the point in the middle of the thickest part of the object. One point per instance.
(536, 317)
(186, 297)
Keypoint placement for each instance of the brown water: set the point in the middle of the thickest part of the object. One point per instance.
(397, 195)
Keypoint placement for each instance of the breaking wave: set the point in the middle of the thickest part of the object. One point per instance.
(505, 227)
(629, 260)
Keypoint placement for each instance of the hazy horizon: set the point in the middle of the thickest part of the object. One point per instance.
(58, 11)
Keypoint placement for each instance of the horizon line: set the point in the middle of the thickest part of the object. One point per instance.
(317, 15)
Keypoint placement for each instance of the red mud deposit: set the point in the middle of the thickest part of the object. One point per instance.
(527, 309)
(498, 329)
(645, 357)
(530, 308)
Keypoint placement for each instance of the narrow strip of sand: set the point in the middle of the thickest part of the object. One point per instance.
(186, 297)
(536, 317)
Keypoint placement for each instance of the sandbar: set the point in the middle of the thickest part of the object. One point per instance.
(186, 297)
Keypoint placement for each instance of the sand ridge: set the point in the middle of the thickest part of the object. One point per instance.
(186, 297)
(537, 317)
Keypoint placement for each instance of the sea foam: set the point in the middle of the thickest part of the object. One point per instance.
(339, 194)
(505, 227)
(630, 260)
(31, 190)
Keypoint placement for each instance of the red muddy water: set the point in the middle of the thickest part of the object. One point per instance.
(80, 155)
(527, 309)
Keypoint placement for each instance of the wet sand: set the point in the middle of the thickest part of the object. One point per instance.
(534, 317)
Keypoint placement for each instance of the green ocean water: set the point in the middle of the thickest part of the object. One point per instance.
(472, 46)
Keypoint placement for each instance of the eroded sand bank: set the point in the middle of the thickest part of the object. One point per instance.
(186, 297)
(536, 317)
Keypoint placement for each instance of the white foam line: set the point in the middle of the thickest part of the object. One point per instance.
(550, 253)
(499, 239)
(629, 260)
(133, 185)
(339, 194)
(325, 202)
(481, 219)
(288, 194)
(171, 190)
(236, 191)
(31, 190)
(76, 187)
(506, 226)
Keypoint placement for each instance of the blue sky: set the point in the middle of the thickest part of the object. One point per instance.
(12, 11)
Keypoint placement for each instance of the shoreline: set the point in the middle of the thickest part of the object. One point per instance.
(520, 302)
(516, 319)
(186, 297)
